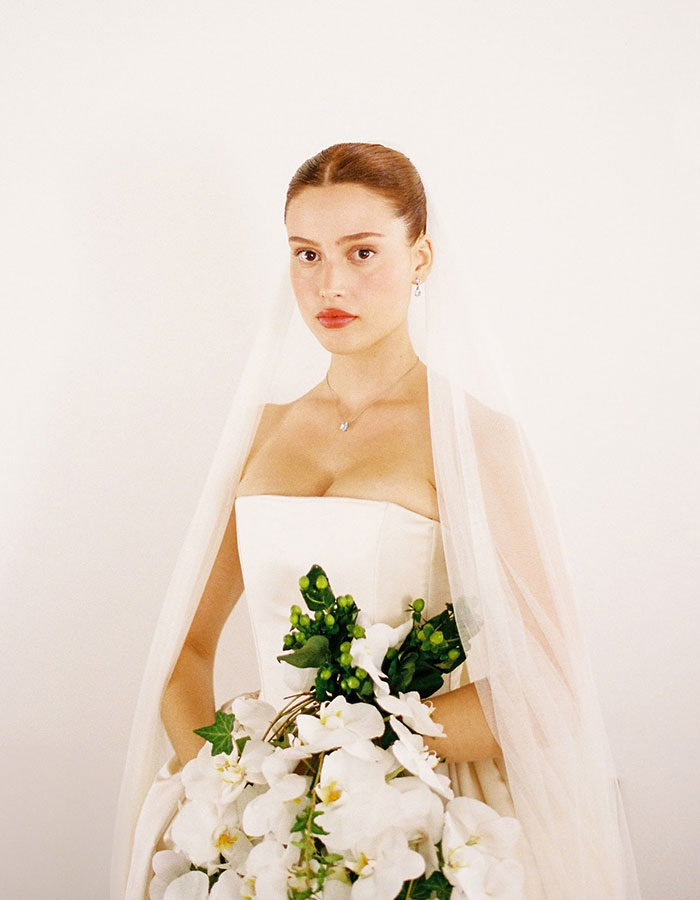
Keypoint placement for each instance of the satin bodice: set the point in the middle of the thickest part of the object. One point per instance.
(383, 554)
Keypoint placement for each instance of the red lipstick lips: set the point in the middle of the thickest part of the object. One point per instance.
(335, 318)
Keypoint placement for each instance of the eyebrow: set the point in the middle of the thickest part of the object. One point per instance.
(342, 240)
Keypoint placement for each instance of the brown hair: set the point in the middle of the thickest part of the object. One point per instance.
(374, 166)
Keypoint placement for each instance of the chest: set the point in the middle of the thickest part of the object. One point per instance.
(382, 458)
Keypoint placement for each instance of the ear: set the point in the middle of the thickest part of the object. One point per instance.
(422, 257)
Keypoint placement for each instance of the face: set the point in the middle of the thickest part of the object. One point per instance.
(351, 265)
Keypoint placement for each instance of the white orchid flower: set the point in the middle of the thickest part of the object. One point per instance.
(203, 832)
(383, 864)
(482, 826)
(190, 886)
(368, 652)
(336, 889)
(252, 716)
(414, 712)
(228, 887)
(267, 870)
(221, 778)
(421, 818)
(339, 724)
(274, 811)
(478, 845)
(353, 796)
(414, 756)
(282, 761)
(167, 866)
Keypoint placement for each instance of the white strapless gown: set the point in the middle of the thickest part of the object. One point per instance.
(384, 555)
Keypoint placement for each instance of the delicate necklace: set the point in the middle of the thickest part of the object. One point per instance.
(346, 423)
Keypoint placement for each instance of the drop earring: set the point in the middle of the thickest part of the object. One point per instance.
(419, 290)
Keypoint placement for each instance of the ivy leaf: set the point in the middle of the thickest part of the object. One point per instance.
(310, 655)
(219, 733)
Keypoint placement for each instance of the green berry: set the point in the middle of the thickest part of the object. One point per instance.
(304, 621)
(421, 635)
(330, 619)
(288, 640)
(361, 674)
(345, 647)
(391, 652)
(419, 605)
(453, 654)
(353, 683)
(437, 637)
(321, 582)
(345, 660)
(325, 674)
(304, 582)
(296, 610)
(294, 619)
(344, 685)
(358, 631)
(318, 615)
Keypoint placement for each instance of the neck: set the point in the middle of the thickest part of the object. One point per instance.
(357, 377)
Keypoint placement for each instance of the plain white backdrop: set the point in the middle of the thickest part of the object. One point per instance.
(146, 151)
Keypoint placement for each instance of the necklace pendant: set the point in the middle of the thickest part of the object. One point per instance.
(344, 426)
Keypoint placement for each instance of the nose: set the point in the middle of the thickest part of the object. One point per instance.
(331, 285)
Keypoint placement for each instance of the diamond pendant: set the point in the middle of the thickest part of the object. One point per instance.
(344, 426)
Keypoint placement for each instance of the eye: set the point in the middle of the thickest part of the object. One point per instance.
(300, 255)
(365, 250)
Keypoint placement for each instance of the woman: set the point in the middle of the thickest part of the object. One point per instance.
(401, 483)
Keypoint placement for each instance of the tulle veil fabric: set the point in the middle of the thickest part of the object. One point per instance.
(508, 576)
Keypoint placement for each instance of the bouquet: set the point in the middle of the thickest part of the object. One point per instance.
(336, 796)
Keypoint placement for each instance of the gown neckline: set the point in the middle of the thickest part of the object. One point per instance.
(330, 497)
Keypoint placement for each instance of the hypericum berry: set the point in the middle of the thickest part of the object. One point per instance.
(418, 605)
(344, 685)
(318, 615)
(294, 619)
(345, 660)
(304, 582)
(428, 628)
(288, 640)
(421, 635)
(358, 631)
(437, 637)
(345, 647)
(325, 674)
(361, 674)
(304, 621)
(353, 683)
(296, 610)
(321, 582)
(391, 652)
(330, 619)
(453, 654)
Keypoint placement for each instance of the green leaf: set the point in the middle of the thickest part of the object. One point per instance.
(219, 733)
(311, 654)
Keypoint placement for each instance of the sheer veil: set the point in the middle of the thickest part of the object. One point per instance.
(508, 578)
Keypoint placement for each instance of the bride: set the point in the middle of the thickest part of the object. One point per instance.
(395, 473)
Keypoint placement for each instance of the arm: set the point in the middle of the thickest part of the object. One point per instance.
(188, 700)
(467, 734)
